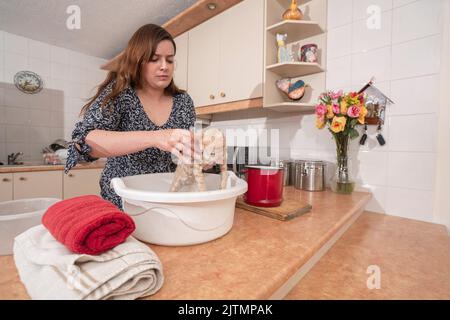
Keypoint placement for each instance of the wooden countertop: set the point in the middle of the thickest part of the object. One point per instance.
(254, 260)
(51, 167)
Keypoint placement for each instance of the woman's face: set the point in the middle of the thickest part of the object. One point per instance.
(158, 72)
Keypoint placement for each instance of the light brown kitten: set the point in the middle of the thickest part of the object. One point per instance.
(213, 148)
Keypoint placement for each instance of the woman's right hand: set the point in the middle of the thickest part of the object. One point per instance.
(179, 142)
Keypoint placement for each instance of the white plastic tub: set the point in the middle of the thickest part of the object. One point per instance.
(18, 216)
(178, 218)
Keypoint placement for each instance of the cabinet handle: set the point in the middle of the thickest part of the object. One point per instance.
(222, 94)
(22, 179)
(70, 175)
(6, 180)
(211, 96)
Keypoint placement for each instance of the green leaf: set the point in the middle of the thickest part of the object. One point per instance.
(353, 133)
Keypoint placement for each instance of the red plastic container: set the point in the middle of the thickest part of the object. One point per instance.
(265, 186)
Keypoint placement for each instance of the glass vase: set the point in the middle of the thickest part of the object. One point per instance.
(342, 181)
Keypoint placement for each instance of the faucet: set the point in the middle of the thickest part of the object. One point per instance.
(13, 157)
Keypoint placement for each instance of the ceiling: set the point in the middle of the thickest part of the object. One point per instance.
(106, 25)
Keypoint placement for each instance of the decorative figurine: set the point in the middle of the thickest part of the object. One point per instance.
(296, 52)
(293, 13)
(294, 91)
(284, 54)
(309, 53)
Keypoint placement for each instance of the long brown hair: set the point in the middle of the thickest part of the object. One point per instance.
(140, 49)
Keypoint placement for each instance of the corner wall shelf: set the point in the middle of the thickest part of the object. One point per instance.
(296, 29)
(294, 69)
(291, 107)
(310, 30)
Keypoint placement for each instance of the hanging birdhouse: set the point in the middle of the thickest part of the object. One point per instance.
(376, 103)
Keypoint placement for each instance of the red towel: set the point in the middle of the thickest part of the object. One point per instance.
(88, 224)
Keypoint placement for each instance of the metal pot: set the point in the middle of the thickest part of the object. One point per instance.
(310, 175)
(287, 169)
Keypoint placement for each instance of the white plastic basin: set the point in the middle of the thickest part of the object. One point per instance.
(178, 218)
(18, 216)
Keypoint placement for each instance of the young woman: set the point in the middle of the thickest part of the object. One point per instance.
(139, 118)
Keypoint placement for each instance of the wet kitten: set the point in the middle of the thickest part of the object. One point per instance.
(213, 150)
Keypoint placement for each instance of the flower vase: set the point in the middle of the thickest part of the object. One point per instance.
(342, 181)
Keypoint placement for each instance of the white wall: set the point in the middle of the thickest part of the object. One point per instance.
(74, 73)
(442, 199)
(404, 56)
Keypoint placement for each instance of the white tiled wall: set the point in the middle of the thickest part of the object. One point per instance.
(404, 56)
(74, 73)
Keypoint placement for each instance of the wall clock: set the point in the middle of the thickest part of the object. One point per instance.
(28, 82)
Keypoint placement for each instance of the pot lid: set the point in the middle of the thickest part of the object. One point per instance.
(310, 161)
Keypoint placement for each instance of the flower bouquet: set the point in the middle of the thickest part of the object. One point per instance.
(341, 112)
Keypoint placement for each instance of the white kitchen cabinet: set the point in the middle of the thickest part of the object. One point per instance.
(6, 186)
(203, 63)
(43, 184)
(53, 184)
(225, 60)
(241, 51)
(81, 182)
(181, 57)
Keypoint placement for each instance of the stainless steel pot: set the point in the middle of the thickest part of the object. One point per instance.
(292, 177)
(287, 169)
(310, 175)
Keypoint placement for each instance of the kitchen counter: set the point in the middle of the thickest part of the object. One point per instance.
(260, 258)
(413, 259)
(50, 167)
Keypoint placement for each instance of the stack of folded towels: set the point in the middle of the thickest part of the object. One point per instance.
(83, 250)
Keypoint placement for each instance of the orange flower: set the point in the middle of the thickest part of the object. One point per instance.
(362, 115)
(320, 122)
(338, 124)
(330, 113)
(344, 106)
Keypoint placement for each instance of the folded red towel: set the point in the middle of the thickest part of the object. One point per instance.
(88, 224)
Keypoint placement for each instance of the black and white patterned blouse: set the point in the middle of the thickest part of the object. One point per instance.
(128, 114)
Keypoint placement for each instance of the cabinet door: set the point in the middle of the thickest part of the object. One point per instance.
(82, 182)
(181, 57)
(43, 184)
(203, 63)
(241, 51)
(6, 186)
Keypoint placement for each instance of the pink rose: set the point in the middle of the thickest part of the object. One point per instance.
(321, 110)
(336, 95)
(353, 112)
(336, 108)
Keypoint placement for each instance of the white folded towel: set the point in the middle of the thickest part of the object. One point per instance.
(50, 271)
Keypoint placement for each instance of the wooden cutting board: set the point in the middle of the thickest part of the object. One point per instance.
(288, 210)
